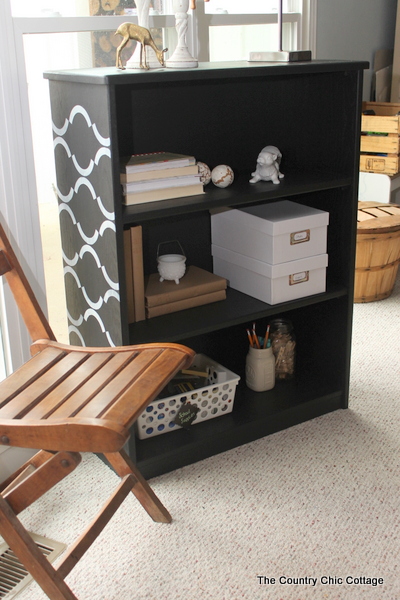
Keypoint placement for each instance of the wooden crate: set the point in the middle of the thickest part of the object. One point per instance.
(380, 138)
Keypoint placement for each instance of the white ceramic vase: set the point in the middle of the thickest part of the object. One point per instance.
(260, 369)
(181, 58)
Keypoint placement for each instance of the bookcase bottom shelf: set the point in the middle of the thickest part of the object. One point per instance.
(237, 308)
(254, 416)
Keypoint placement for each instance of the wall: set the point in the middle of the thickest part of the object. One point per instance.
(354, 30)
(11, 459)
(395, 95)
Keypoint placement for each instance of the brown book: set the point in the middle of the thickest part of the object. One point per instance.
(165, 309)
(159, 174)
(137, 270)
(164, 194)
(195, 282)
(129, 275)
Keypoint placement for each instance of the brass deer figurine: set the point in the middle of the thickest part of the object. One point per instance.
(130, 31)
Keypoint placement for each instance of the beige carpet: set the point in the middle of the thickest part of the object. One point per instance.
(261, 522)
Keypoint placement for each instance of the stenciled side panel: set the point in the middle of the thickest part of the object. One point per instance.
(82, 148)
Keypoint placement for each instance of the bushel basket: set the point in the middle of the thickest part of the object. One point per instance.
(378, 251)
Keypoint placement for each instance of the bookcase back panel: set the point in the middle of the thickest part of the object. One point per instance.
(193, 233)
(234, 119)
(340, 246)
(320, 356)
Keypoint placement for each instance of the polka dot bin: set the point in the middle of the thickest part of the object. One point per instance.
(213, 400)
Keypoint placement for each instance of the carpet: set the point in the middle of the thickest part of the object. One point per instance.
(311, 512)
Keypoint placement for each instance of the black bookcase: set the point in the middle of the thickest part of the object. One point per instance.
(222, 113)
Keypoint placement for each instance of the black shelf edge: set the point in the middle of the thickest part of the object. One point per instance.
(209, 70)
(240, 193)
(236, 309)
(254, 416)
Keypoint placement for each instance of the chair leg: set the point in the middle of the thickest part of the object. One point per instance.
(83, 543)
(123, 465)
(29, 554)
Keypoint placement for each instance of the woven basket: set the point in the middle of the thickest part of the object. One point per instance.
(378, 251)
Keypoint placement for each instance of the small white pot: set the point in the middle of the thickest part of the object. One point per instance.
(171, 265)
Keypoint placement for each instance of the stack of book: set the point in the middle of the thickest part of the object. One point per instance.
(197, 287)
(159, 176)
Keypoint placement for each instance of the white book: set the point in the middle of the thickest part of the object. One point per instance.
(136, 187)
(157, 160)
(159, 174)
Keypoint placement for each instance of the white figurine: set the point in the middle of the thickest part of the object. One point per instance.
(267, 168)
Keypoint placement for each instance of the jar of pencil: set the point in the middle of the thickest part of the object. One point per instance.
(260, 363)
(284, 348)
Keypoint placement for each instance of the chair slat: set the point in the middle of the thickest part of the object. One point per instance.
(56, 398)
(22, 403)
(79, 399)
(23, 377)
(74, 435)
(146, 387)
(119, 384)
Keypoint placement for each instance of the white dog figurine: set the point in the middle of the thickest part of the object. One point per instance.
(267, 168)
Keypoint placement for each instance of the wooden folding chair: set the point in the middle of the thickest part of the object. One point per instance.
(66, 400)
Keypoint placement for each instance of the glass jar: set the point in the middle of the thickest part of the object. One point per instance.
(283, 343)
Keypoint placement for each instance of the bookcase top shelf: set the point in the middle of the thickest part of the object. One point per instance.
(240, 193)
(218, 70)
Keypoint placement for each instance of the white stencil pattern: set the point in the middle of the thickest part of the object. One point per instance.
(89, 239)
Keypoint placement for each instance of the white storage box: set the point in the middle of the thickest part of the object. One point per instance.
(271, 283)
(274, 233)
(214, 400)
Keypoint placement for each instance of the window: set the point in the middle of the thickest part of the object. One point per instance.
(61, 34)
(218, 30)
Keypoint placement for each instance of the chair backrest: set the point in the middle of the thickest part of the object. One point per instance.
(33, 316)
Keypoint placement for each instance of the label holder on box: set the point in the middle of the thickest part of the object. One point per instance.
(299, 237)
(301, 277)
